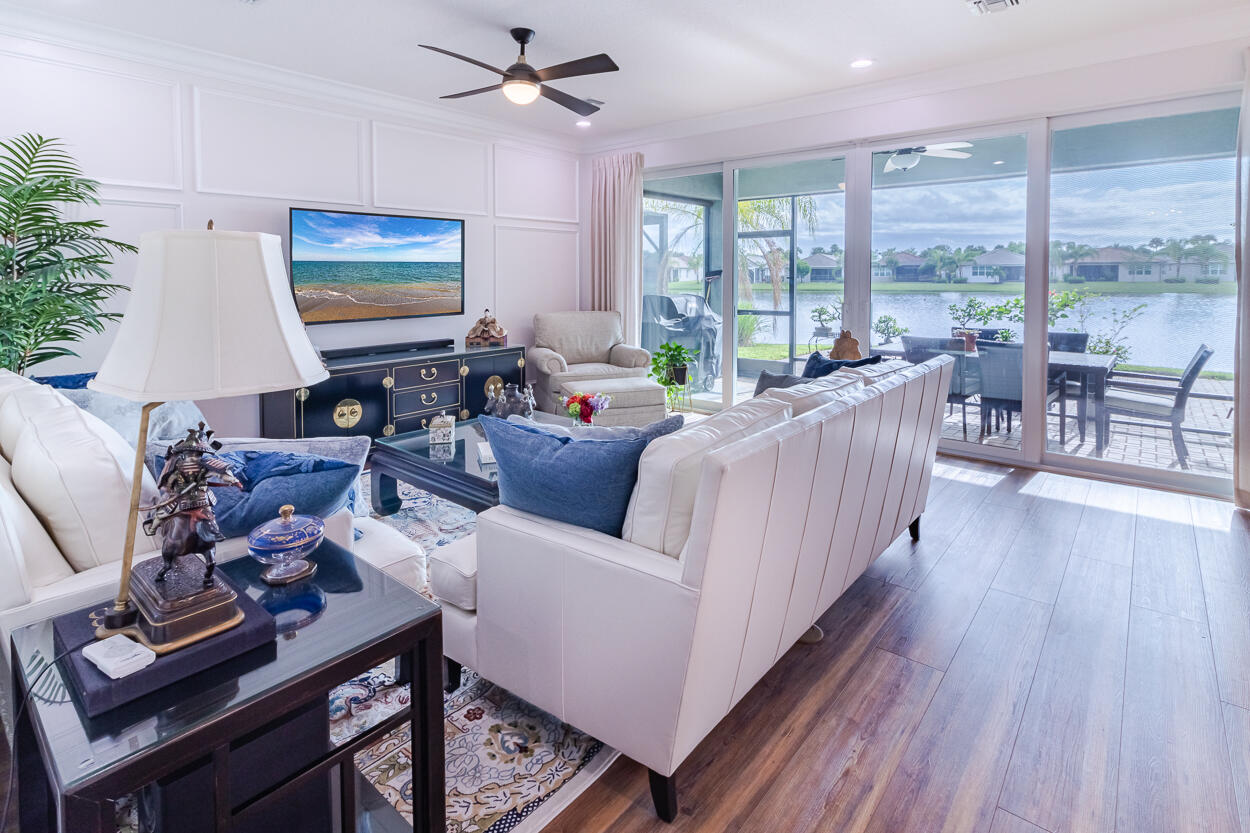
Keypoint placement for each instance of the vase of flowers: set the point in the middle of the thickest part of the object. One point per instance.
(582, 407)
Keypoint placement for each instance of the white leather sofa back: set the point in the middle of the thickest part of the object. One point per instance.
(648, 652)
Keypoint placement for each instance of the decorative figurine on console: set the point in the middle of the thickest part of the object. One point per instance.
(486, 332)
(184, 514)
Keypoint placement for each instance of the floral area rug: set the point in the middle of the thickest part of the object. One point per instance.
(510, 765)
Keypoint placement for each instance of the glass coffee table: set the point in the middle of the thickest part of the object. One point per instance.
(454, 472)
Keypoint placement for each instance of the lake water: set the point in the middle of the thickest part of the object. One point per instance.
(1166, 334)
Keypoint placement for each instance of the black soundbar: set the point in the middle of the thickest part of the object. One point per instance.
(376, 349)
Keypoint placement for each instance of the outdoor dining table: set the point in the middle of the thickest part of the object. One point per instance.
(1089, 369)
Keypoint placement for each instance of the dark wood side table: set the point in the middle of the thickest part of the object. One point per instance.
(71, 769)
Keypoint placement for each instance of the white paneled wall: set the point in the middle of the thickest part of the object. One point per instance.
(175, 147)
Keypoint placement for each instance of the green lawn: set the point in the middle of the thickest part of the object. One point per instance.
(1009, 288)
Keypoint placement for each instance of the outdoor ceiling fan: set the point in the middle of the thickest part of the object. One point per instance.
(904, 159)
(522, 83)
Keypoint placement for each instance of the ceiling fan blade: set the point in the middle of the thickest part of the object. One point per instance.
(582, 108)
(945, 154)
(473, 61)
(949, 145)
(468, 93)
(582, 66)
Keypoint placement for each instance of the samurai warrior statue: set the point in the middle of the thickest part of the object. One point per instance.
(184, 514)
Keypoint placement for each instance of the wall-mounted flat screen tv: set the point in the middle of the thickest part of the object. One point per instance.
(347, 266)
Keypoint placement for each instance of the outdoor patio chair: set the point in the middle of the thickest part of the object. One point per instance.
(1157, 405)
(1073, 343)
(1001, 364)
(965, 381)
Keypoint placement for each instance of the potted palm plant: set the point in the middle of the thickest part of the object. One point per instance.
(54, 278)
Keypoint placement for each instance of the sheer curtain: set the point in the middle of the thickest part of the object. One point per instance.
(616, 239)
(1241, 405)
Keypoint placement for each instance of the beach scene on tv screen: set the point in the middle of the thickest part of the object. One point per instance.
(351, 267)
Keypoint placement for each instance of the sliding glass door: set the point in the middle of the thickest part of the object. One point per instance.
(682, 291)
(1141, 262)
(948, 275)
(789, 249)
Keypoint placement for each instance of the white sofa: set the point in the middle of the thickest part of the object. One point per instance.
(58, 554)
(572, 347)
(742, 531)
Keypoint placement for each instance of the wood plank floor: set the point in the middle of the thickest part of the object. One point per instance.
(1056, 655)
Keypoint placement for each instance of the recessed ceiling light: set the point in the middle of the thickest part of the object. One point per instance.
(861, 63)
(998, 162)
(583, 123)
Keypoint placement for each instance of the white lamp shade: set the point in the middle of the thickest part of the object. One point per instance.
(210, 315)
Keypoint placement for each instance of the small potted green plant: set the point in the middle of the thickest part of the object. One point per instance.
(670, 366)
(971, 311)
(888, 329)
(823, 317)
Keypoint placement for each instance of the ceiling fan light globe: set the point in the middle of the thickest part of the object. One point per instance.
(520, 91)
(905, 161)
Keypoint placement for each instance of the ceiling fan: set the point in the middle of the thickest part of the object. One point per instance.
(522, 83)
(904, 159)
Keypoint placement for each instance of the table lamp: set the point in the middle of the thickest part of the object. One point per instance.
(211, 315)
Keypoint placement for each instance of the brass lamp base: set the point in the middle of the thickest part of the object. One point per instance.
(178, 611)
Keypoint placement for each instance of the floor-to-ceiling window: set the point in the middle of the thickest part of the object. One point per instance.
(1141, 254)
(948, 274)
(789, 265)
(681, 275)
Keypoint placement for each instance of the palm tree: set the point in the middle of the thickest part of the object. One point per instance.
(667, 247)
(1057, 249)
(1177, 251)
(1074, 253)
(1207, 252)
(769, 215)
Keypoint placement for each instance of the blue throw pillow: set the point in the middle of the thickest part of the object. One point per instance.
(582, 482)
(605, 432)
(271, 479)
(65, 381)
(817, 365)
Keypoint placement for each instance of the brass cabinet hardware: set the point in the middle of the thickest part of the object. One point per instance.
(464, 415)
(425, 423)
(464, 370)
(432, 400)
(347, 413)
(302, 394)
(493, 386)
(388, 382)
(388, 430)
(520, 362)
(433, 371)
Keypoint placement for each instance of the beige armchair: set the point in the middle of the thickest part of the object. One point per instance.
(576, 346)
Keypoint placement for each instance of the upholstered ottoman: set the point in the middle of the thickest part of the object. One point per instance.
(635, 401)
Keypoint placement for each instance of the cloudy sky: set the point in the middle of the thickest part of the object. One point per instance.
(328, 235)
(1120, 205)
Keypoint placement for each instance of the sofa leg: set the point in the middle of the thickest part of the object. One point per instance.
(453, 675)
(914, 529)
(664, 794)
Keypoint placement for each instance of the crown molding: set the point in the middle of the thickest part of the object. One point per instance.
(124, 46)
(1220, 27)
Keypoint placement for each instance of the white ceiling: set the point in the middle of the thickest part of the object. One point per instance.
(679, 59)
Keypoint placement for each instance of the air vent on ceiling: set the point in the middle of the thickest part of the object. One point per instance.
(991, 6)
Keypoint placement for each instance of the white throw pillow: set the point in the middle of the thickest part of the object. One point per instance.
(10, 383)
(19, 408)
(662, 505)
(811, 395)
(26, 550)
(73, 471)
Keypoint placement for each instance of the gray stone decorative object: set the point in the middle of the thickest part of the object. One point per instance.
(512, 400)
